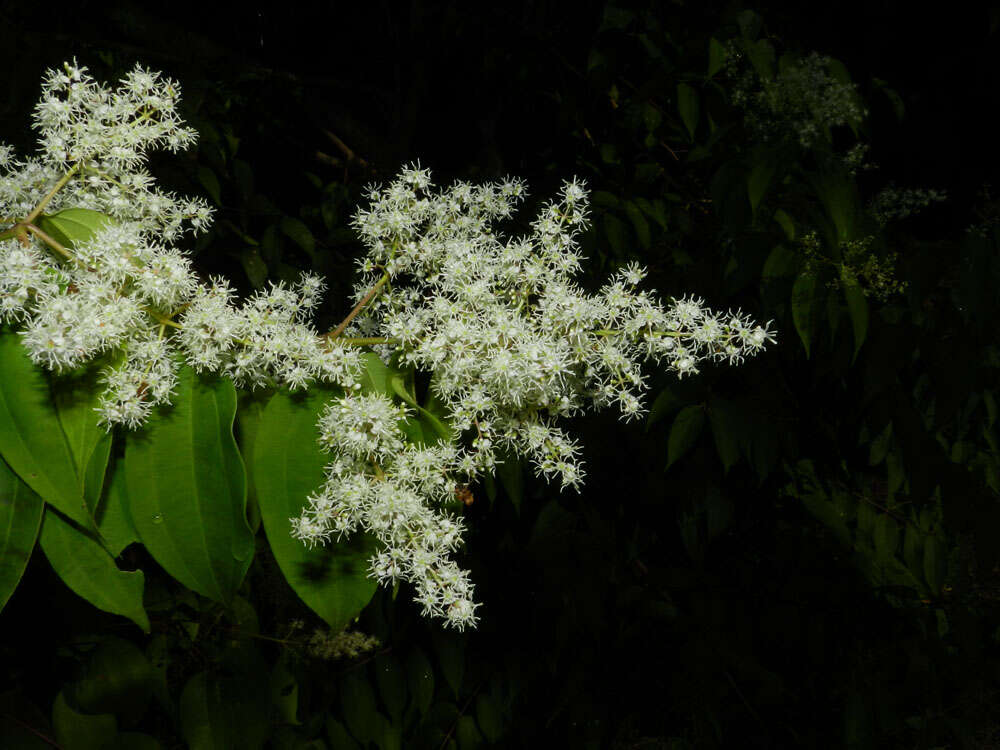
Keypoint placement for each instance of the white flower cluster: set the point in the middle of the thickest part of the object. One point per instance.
(892, 203)
(512, 342)
(387, 486)
(804, 100)
(100, 137)
(121, 289)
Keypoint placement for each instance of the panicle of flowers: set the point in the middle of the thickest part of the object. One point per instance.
(121, 289)
(892, 203)
(347, 644)
(803, 100)
(99, 137)
(329, 645)
(512, 341)
(380, 483)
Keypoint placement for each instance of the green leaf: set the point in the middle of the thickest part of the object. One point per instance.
(488, 718)
(780, 262)
(187, 488)
(716, 56)
(786, 223)
(684, 431)
(640, 224)
(20, 519)
(118, 679)
(402, 385)
(208, 180)
(73, 225)
(616, 233)
(243, 175)
(511, 477)
(249, 410)
(450, 648)
(377, 376)
(761, 55)
(688, 106)
(898, 107)
(656, 210)
(32, 440)
(913, 541)
(604, 199)
(299, 233)
(420, 678)
(467, 733)
(663, 406)
(288, 466)
(804, 297)
(391, 679)
(253, 266)
(857, 309)
(761, 172)
(89, 570)
(338, 735)
(427, 425)
(880, 445)
(840, 200)
(75, 730)
(727, 431)
(76, 399)
(113, 520)
(886, 537)
(224, 712)
(357, 702)
(935, 563)
(285, 693)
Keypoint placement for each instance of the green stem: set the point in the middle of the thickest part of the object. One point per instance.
(162, 320)
(361, 341)
(358, 308)
(37, 210)
(48, 240)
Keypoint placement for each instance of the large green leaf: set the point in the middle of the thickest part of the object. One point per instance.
(73, 225)
(804, 305)
(857, 309)
(762, 168)
(688, 106)
(250, 407)
(112, 515)
(84, 565)
(357, 701)
(117, 679)
(224, 712)
(288, 466)
(839, 196)
(727, 429)
(684, 431)
(420, 680)
(75, 730)
(32, 440)
(75, 398)
(716, 56)
(20, 519)
(186, 488)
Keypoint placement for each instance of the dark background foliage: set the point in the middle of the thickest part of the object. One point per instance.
(745, 605)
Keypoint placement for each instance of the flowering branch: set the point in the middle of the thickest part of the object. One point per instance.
(513, 344)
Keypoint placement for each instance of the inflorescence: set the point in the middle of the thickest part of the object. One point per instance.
(512, 342)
